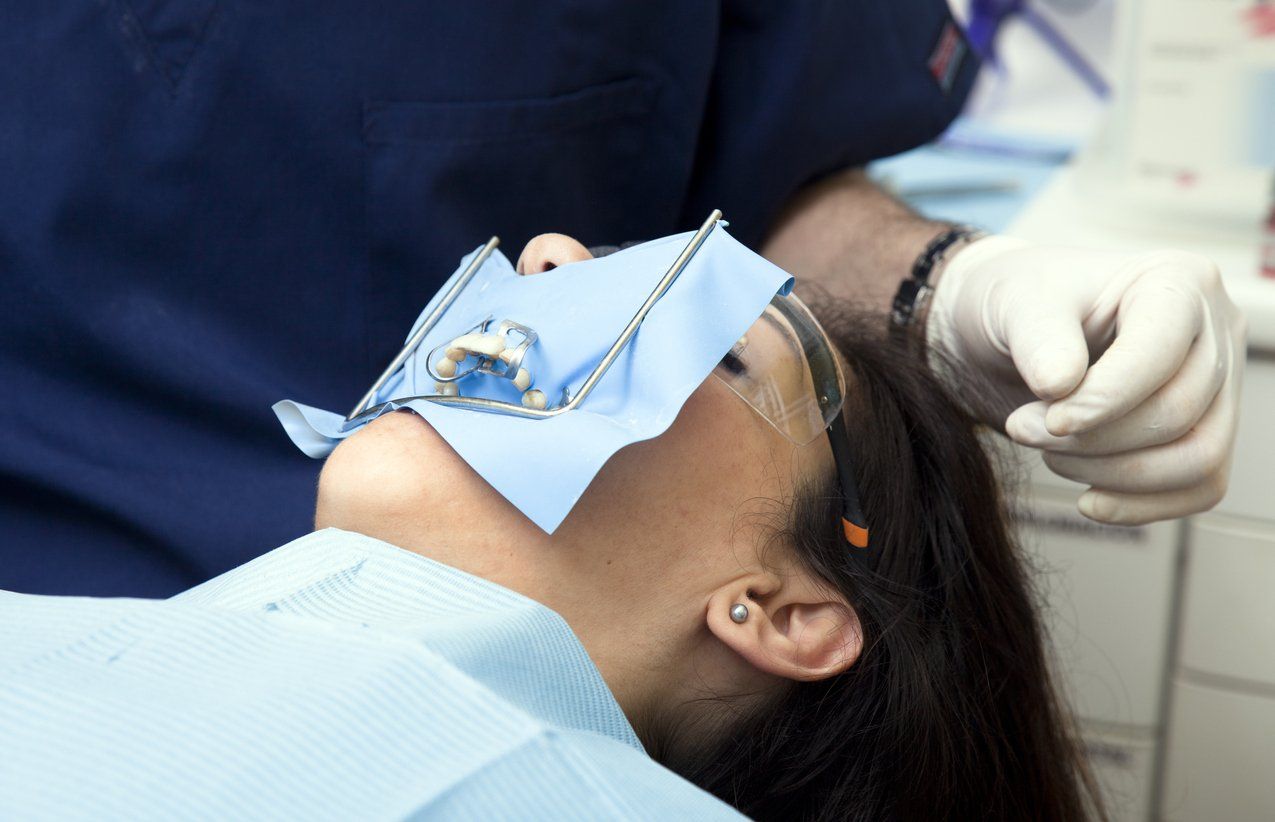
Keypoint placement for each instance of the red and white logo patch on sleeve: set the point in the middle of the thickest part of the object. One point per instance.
(948, 56)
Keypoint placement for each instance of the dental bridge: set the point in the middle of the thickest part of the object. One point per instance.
(493, 355)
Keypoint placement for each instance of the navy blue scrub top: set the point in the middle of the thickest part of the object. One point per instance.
(209, 205)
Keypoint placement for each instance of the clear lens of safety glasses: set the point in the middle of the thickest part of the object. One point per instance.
(785, 368)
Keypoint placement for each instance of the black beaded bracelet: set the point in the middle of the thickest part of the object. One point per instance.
(914, 291)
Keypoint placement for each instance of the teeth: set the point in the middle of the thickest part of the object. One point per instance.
(492, 347)
(446, 367)
(447, 389)
(489, 345)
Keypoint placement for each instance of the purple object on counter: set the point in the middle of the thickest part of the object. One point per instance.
(986, 18)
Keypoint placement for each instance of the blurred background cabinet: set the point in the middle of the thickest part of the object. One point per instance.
(1165, 635)
(1109, 601)
(1220, 752)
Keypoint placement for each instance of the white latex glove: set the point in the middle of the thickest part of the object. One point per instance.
(1150, 425)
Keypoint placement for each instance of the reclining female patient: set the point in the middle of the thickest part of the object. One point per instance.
(751, 649)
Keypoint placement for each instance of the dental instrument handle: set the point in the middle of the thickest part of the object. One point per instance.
(426, 327)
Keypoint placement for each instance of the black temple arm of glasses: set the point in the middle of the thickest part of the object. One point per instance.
(853, 522)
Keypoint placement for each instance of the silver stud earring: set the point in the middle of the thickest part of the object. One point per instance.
(739, 612)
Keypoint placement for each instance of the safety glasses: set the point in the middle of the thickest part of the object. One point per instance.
(784, 368)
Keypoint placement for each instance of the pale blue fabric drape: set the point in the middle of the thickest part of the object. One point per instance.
(337, 677)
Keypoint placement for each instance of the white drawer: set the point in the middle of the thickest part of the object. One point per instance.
(1108, 593)
(1252, 487)
(1221, 756)
(1229, 604)
(1125, 769)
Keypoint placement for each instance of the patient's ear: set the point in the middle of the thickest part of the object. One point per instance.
(548, 251)
(797, 627)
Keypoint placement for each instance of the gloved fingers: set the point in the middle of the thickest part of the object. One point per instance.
(1139, 509)
(1169, 413)
(1161, 315)
(1045, 341)
(1194, 459)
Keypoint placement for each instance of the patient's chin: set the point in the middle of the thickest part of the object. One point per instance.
(392, 476)
(399, 481)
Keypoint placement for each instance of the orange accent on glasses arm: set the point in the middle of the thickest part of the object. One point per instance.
(857, 535)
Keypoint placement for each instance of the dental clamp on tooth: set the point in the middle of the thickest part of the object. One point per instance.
(492, 354)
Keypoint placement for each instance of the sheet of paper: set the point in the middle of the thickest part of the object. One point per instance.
(1191, 98)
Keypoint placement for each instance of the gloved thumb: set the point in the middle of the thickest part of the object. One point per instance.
(1048, 347)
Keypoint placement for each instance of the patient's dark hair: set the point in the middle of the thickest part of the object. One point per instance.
(950, 711)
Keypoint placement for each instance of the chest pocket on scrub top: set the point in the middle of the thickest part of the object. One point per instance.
(443, 177)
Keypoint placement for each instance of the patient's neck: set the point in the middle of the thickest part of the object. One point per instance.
(636, 639)
(646, 635)
(630, 569)
(648, 642)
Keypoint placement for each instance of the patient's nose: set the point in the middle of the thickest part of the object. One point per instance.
(549, 251)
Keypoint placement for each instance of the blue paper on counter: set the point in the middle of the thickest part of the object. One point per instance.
(974, 174)
(543, 466)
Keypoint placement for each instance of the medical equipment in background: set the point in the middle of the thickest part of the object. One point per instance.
(1191, 134)
(1047, 71)
(987, 16)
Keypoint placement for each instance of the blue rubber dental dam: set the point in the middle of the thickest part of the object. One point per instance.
(535, 381)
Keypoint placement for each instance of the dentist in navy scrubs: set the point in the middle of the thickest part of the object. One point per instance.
(207, 205)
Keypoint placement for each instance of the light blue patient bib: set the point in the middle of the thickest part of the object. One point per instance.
(337, 677)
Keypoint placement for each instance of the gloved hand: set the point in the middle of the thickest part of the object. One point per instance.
(1150, 425)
